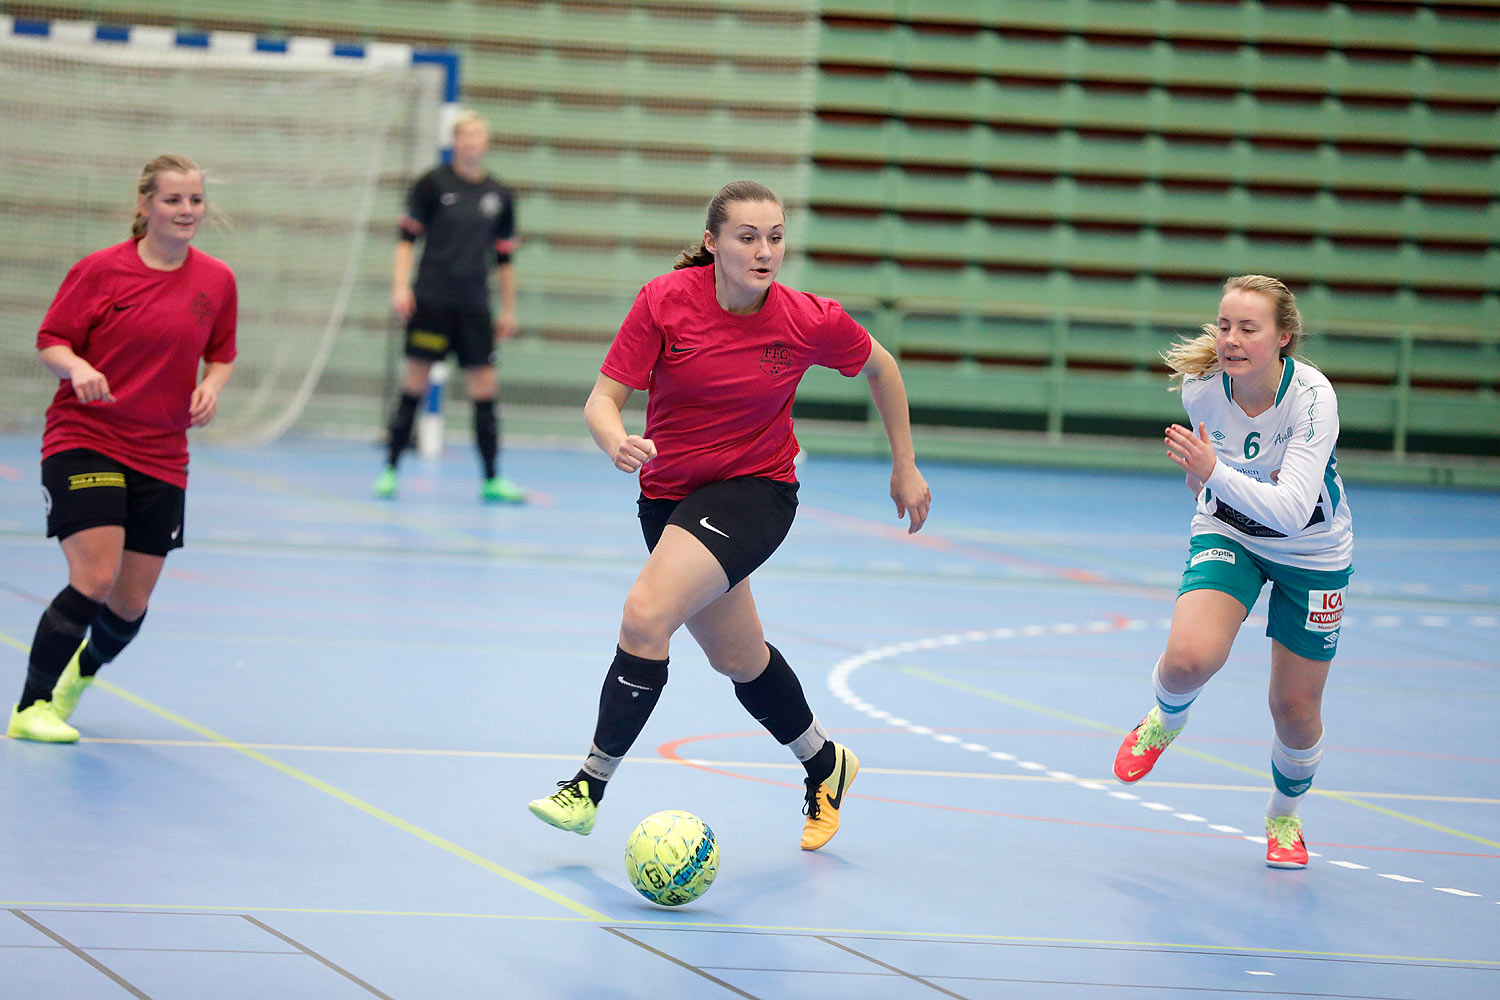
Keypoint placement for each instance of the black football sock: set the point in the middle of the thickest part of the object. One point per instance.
(401, 425)
(107, 636)
(630, 692)
(775, 699)
(487, 435)
(58, 634)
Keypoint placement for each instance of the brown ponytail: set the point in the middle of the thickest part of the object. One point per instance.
(697, 255)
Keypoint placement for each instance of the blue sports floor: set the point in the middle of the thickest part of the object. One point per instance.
(308, 777)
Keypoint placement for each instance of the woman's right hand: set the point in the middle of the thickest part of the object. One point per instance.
(89, 383)
(633, 452)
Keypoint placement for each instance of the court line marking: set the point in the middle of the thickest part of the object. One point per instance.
(369, 809)
(304, 949)
(669, 754)
(765, 765)
(679, 962)
(838, 683)
(81, 955)
(936, 937)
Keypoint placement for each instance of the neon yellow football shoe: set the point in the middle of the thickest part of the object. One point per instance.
(70, 686)
(569, 808)
(39, 723)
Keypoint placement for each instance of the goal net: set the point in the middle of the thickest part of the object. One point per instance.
(306, 154)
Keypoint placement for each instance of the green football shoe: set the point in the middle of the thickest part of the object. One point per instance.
(70, 686)
(39, 723)
(498, 489)
(569, 808)
(385, 485)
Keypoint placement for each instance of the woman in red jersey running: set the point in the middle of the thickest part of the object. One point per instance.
(125, 334)
(721, 346)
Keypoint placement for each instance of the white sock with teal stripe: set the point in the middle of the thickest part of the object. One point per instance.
(1292, 771)
(1172, 706)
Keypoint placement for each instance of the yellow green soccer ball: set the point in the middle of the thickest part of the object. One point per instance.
(672, 857)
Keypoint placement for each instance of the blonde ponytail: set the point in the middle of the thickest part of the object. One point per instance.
(1199, 356)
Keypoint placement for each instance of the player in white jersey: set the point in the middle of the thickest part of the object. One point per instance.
(1271, 507)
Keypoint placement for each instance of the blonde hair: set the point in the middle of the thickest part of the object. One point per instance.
(466, 118)
(696, 255)
(1198, 356)
(166, 163)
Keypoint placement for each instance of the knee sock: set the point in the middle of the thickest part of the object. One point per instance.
(1292, 771)
(487, 435)
(107, 636)
(1172, 706)
(401, 424)
(58, 634)
(630, 692)
(776, 701)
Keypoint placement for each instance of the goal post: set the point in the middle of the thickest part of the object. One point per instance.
(308, 147)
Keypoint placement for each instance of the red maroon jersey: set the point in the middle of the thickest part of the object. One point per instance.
(146, 331)
(721, 385)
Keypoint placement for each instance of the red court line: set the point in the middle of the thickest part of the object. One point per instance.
(940, 544)
(670, 749)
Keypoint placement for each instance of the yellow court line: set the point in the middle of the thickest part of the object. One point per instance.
(352, 800)
(1094, 724)
(955, 937)
(367, 808)
(749, 765)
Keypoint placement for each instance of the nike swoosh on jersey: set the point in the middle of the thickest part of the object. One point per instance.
(704, 523)
(680, 350)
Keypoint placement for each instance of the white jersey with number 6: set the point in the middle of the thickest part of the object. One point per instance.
(1275, 487)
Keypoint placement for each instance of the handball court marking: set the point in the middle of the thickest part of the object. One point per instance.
(348, 799)
(82, 952)
(836, 940)
(838, 683)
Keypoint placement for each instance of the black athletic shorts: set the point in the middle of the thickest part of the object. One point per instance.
(84, 489)
(741, 520)
(434, 332)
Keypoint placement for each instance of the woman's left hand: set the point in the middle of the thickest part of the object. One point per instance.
(912, 496)
(1194, 453)
(203, 405)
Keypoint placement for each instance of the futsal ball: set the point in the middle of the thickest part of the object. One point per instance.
(672, 857)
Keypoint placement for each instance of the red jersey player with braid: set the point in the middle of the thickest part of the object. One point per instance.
(720, 347)
(126, 334)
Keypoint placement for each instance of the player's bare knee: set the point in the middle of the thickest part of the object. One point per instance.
(94, 582)
(645, 623)
(740, 670)
(1297, 717)
(1187, 669)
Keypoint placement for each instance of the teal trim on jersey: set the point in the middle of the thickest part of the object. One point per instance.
(1286, 379)
(1228, 391)
(1331, 483)
(1286, 786)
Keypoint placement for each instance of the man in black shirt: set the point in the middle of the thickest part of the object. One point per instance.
(467, 221)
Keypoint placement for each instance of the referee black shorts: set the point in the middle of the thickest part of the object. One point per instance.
(741, 520)
(434, 332)
(83, 489)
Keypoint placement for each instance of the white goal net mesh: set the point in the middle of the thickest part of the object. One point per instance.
(305, 157)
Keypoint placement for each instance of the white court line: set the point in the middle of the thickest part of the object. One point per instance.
(838, 682)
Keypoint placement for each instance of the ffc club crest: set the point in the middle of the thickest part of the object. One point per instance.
(775, 359)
